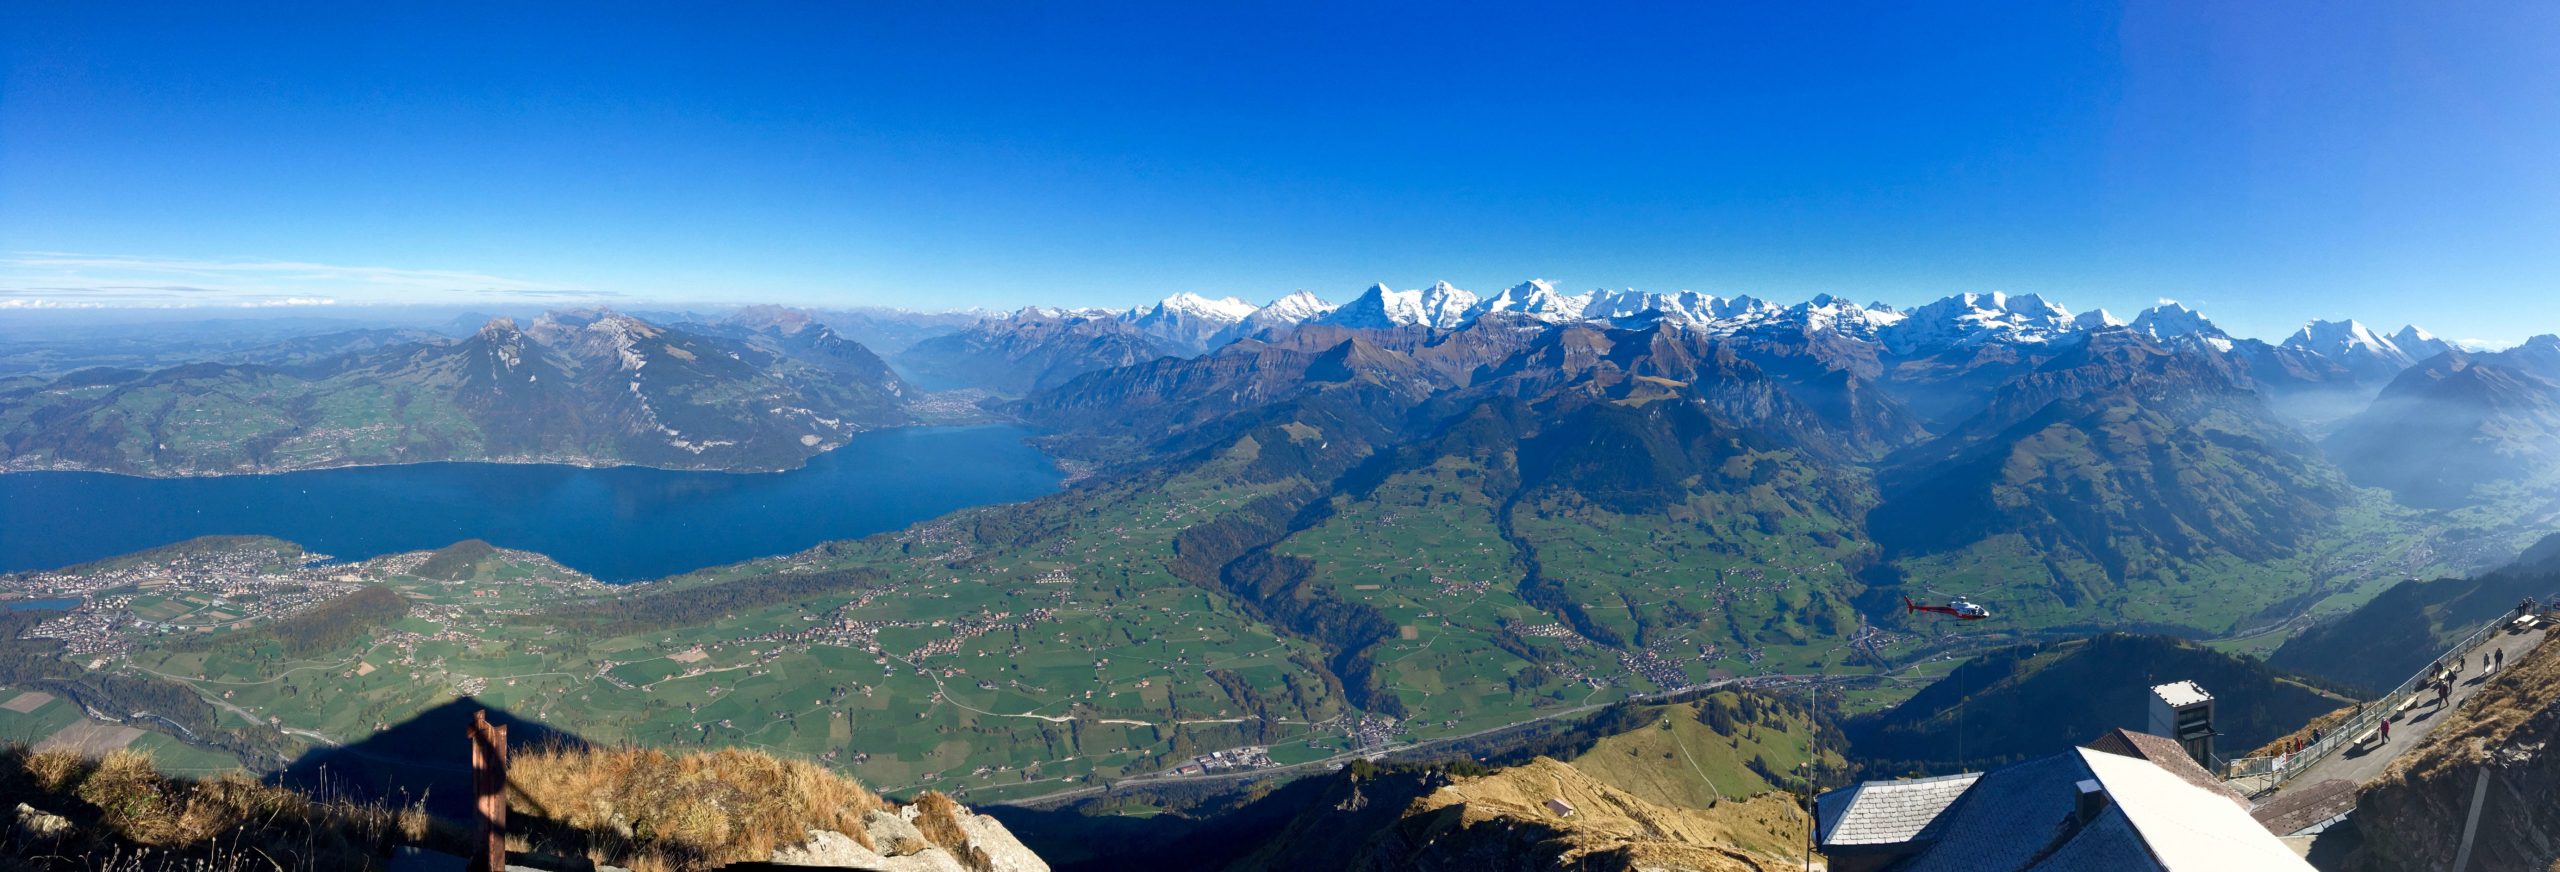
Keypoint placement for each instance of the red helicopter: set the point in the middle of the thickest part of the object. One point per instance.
(1960, 607)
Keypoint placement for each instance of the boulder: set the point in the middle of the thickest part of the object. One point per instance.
(40, 826)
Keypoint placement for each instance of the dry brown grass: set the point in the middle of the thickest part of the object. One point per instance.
(643, 809)
(938, 818)
(648, 809)
(2327, 723)
(123, 808)
(2515, 695)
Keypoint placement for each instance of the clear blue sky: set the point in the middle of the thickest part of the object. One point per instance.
(2268, 162)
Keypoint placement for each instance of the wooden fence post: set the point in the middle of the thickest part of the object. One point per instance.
(489, 786)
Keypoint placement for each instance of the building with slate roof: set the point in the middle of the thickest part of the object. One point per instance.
(2079, 810)
(2169, 755)
(1882, 820)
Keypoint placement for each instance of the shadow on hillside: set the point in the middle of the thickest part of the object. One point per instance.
(1315, 822)
(426, 757)
(1090, 836)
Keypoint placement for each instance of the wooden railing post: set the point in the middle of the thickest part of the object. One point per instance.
(489, 787)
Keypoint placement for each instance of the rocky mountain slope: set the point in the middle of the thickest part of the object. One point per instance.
(2387, 639)
(1547, 815)
(2088, 464)
(1029, 349)
(2444, 430)
(1703, 783)
(2030, 701)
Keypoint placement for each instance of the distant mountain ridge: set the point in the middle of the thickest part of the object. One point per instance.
(2444, 429)
(761, 392)
(2324, 372)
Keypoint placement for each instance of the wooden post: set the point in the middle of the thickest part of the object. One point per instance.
(489, 786)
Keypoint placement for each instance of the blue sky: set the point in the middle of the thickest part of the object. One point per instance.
(2266, 162)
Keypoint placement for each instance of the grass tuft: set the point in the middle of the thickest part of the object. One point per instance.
(646, 808)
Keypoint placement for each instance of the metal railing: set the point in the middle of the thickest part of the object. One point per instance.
(2277, 769)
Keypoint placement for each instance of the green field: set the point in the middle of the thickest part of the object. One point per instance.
(1015, 651)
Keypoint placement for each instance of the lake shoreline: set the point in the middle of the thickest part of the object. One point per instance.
(8, 468)
(617, 523)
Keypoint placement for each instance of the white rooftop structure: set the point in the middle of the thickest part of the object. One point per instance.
(2083, 809)
(2186, 832)
(2180, 694)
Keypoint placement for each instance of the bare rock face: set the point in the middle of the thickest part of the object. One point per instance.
(893, 834)
(986, 845)
(2497, 753)
(989, 840)
(834, 850)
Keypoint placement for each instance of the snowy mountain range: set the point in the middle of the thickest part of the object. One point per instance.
(1193, 324)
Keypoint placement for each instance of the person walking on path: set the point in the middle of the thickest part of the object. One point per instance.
(2386, 731)
(2502, 658)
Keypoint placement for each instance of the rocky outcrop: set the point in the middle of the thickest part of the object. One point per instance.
(2501, 753)
(893, 835)
(834, 850)
(992, 848)
(962, 841)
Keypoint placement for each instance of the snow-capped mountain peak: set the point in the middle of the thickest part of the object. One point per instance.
(1295, 307)
(1223, 309)
(1441, 307)
(1188, 321)
(1056, 313)
(2345, 339)
(2419, 344)
(1290, 310)
(1972, 319)
(1633, 308)
(2171, 320)
(2095, 319)
(1966, 320)
(1537, 299)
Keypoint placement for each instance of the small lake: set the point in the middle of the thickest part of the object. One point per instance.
(617, 524)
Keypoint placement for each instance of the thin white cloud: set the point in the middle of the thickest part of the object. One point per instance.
(62, 279)
(293, 270)
(56, 302)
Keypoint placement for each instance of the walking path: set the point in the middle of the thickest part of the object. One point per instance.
(2361, 764)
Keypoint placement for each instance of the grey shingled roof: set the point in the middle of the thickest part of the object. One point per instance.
(2108, 844)
(1888, 812)
(2009, 817)
(2167, 754)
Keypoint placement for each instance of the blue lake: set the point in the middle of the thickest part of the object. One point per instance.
(618, 524)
